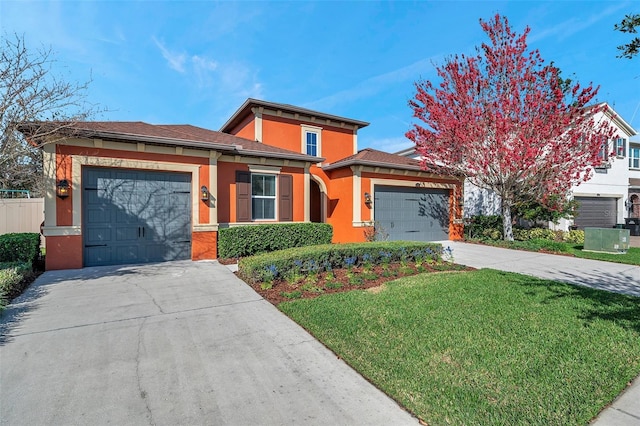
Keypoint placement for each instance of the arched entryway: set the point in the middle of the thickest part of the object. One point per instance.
(317, 200)
(634, 208)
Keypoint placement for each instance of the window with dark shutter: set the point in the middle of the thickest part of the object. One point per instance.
(285, 202)
(243, 196)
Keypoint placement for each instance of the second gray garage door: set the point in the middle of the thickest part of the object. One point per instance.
(135, 216)
(599, 212)
(412, 214)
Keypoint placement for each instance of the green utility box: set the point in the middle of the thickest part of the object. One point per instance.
(606, 240)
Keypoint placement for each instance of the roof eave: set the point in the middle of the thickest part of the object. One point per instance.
(240, 113)
(357, 162)
(216, 146)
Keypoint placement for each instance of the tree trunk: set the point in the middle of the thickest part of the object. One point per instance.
(507, 227)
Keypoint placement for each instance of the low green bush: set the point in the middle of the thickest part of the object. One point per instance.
(575, 236)
(21, 247)
(14, 277)
(484, 227)
(248, 240)
(267, 266)
(537, 244)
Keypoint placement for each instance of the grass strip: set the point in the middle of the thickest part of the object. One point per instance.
(484, 347)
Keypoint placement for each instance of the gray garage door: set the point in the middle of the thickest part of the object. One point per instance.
(133, 216)
(600, 212)
(412, 214)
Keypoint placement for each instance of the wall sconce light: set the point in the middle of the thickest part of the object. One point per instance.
(62, 188)
(367, 198)
(204, 193)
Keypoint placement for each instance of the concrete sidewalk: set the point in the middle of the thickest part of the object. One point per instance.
(168, 344)
(619, 278)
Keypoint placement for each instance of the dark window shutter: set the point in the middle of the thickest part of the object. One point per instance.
(285, 202)
(243, 196)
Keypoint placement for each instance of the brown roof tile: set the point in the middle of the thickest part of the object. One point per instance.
(172, 134)
(373, 157)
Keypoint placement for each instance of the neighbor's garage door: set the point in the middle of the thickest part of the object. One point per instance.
(412, 214)
(133, 216)
(599, 212)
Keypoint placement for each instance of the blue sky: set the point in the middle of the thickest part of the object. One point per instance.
(196, 62)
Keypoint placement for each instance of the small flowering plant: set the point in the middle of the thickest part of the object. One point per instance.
(367, 261)
(350, 261)
(270, 273)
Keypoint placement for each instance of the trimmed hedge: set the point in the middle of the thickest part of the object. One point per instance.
(573, 236)
(267, 266)
(22, 247)
(248, 240)
(484, 227)
(14, 278)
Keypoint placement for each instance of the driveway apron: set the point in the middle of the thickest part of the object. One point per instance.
(168, 344)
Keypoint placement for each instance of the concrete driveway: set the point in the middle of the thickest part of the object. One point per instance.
(169, 344)
(615, 277)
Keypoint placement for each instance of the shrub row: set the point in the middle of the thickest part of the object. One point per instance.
(573, 236)
(22, 247)
(490, 228)
(254, 239)
(318, 258)
(484, 227)
(14, 277)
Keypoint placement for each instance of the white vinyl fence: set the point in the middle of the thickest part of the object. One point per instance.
(21, 215)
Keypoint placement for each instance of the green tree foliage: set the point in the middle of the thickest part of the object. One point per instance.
(629, 25)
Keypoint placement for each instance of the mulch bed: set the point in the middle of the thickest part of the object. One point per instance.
(341, 280)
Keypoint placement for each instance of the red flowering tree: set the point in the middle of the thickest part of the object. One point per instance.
(504, 120)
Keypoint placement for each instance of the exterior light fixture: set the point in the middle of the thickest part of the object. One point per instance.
(204, 193)
(367, 198)
(62, 188)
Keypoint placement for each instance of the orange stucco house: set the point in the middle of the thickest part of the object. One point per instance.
(132, 192)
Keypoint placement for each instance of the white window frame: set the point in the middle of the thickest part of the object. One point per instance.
(634, 156)
(621, 143)
(273, 197)
(603, 154)
(314, 130)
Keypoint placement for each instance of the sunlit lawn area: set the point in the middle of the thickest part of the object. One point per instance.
(631, 257)
(484, 347)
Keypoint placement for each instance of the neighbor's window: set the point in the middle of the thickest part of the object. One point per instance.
(263, 196)
(311, 140)
(621, 145)
(603, 154)
(634, 157)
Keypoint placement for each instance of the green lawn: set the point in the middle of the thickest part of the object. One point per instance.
(632, 257)
(484, 347)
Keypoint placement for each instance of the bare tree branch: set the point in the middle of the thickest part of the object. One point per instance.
(31, 93)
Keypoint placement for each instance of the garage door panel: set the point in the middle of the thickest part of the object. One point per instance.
(128, 254)
(137, 215)
(601, 212)
(97, 256)
(98, 235)
(414, 214)
(127, 233)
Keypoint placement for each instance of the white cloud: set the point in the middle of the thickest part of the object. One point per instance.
(388, 144)
(203, 69)
(375, 84)
(176, 60)
(574, 25)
